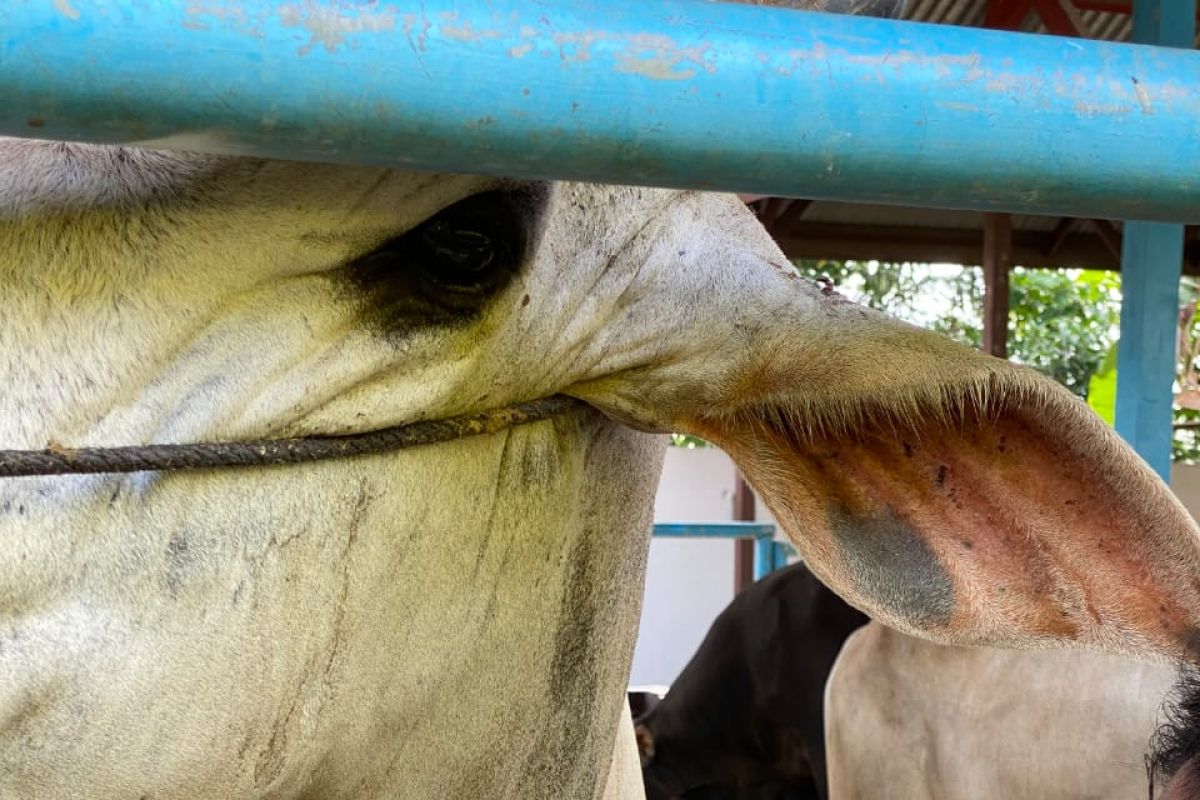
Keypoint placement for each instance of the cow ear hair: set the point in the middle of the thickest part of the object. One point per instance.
(961, 498)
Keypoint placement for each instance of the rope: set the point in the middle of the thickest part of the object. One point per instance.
(91, 460)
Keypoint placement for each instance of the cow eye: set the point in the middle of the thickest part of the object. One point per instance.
(447, 268)
(473, 244)
(461, 254)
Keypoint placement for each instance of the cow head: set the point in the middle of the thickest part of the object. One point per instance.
(158, 297)
(943, 491)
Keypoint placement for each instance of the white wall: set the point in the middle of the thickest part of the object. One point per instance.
(689, 582)
(1185, 481)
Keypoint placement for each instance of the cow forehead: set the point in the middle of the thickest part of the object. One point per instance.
(38, 178)
(349, 207)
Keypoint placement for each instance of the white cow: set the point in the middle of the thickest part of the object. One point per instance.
(457, 620)
(907, 719)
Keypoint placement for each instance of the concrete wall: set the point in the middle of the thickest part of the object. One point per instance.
(689, 582)
(1185, 480)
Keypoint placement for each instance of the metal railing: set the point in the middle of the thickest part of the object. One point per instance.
(769, 554)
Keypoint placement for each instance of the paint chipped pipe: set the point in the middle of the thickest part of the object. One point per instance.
(680, 93)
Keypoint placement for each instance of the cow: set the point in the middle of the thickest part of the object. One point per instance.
(745, 716)
(912, 719)
(457, 619)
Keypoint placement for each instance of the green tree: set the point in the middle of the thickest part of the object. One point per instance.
(1061, 322)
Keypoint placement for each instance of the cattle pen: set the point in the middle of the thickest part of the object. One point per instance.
(827, 108)
(944, 492)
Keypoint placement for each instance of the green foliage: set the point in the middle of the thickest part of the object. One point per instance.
(942, 297)
(688, 441)
(1061, 322)
(1102, 388)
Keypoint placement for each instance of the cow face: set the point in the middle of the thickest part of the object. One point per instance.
(943, 491)
(153, 297)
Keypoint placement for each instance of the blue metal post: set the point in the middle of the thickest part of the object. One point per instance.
(782, 550)
(683, 93)
(764, 557)
(1151, 260)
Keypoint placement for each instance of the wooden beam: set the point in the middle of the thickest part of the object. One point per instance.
(895, 243)
(790, 216)
(997, 259)
(1063, 229)
(743, 549)
(1109, 234)
(1006, 15)
(772, 207)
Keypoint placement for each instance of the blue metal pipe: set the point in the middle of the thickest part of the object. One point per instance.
(715, 530)
(673, 92)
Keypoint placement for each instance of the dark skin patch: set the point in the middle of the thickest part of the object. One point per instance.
(575, 672)
(894, 567)
(445, 271)
(181, 559)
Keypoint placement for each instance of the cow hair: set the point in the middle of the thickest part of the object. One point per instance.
(1177, 738)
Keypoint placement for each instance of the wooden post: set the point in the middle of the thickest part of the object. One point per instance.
(743, 549)
(997, 259)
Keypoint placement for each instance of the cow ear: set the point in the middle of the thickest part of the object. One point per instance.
(962, 498)
(645, 744)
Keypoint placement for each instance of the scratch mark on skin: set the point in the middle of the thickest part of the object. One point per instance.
(316, 679)
(356, 520)
(490, 527)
